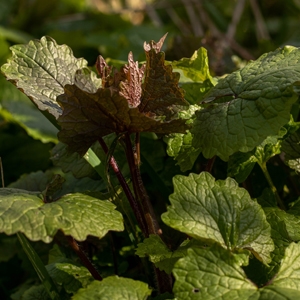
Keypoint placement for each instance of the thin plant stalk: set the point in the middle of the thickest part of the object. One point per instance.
(133, 203)
(84, 258)
(139, 189)
(280, 203)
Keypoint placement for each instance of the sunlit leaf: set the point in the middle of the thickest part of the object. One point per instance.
(77, 215)
(114, 287)
(219, 211)
(248, 105)
(41, 69)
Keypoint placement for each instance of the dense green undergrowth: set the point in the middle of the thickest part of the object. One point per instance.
(167, 183)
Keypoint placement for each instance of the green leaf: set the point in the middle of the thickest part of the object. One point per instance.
(180, 145)
(39, 267)
(248, 105)
(71, 162)
(241, 164)
(38, 182)
(36, 292)
(16, 107)
(34, 182)
(41, 69)
(196, 68)
(286, 284)
(292, 222)
(77, 215)
(158, 253)
(195, 91)
(70, 276)
(212, 273)
(195, 76)
(116, 288)
(280, 236)
(219, 211)
(291, 148)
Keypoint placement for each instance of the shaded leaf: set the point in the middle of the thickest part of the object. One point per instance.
(77, 215)
(241, 164)
(41, 69)
(36, 292)
(219, 211)
(70, 276)
(116, 288)
(180, 145)
(161, 94)
(286, 284)
(86, 117)
(38, 181)
(71, 162)
(159, 253)
(16, 107)
(291, 148)
(248, 105)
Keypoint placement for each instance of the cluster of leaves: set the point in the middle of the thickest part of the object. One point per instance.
(219, 239)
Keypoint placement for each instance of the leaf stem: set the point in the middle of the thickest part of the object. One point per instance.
(84, 258)
(133, 203)
(139, 189)
(280, 203)
(209, 165)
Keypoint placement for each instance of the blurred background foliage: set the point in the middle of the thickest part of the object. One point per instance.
(231, 30)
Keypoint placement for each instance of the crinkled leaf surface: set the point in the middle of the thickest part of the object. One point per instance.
(280, 236)
(248, 105)
(87, 116)
(259, 273)
(114, 287)
(77, 215)
(158, 253)
(212, 273)
(70, 276)
(180, 145)
(286, 284)
(240, 164)
(219, 211)
(41, 69)
(161, 93)
(216, 274)
(291, 221)
(39, 182)
(291, 147)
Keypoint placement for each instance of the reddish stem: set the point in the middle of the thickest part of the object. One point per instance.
(133, 203)
(84, 258)
(210, 164)
(139, 189)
